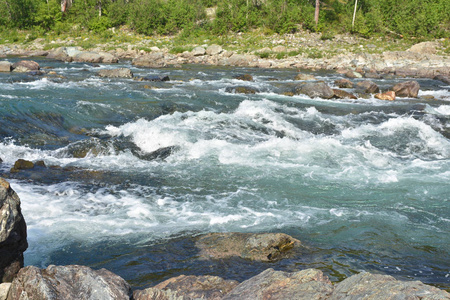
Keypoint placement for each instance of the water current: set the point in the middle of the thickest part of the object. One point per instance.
(136, 170)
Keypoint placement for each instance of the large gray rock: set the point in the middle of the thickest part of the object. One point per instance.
(253, 246)
(373, 286)
(306, 284)
(108, 58)
(314, 89)
(406, 89)
(151, 60)
(116, 73)
(239, 60)
(68, 282)
(13, 233)
(424, 48)
(4, 289)
(188, 287)
(61, 54)
(88, 56)
(25, 66)
(198, 51)
(214, 50)
(367, 87)
(5, 66)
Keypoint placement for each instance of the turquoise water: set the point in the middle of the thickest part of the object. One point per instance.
(364, 184)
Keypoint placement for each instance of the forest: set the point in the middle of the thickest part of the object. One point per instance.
(412, 18)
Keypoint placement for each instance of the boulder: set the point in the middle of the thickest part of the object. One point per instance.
(239, 60)
(374, 286)
(25, 66)
(244, 77)
(4, 289)
(314, 89)
(214, 50)
(340, 94)
(108, 58)
(301, 76)
(390, 95)
(189, 287)
(373, 75)
(407, 89)
(424, 48)
(22, 164)
(353, 74)
(343, 83)
(13, 233)
(253, 246)
(5, 66)
(151, 60)
(367, 87)
(198, 51)
(88, 56)
(60, 54)
(306, 284)
(241, 90)
(116, 73)
(158, 78)
(443, 78)
(68, 282)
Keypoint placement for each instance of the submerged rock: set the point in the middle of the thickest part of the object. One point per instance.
(116, 73)
(244, 77)
(306, 284)
(159, 154)
(159, 78)
(241, 90)
(68, 282)
(13, 233)
(407, 89)
(314, 89)
(374, 286)
(253, 246)
(188, 287)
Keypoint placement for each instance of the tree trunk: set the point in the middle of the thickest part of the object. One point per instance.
(316, 14)
(354, 15)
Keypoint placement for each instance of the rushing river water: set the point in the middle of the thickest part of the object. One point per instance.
(364, 184)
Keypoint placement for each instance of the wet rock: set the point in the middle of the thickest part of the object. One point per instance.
(367, 87)
(344, 83)
(60, 54)
(159, 154)
(214, 50)
(302, 76)
(4, 289)
(253, 246)
(40, 163)
(188, 287)
(374, 286)
(116, 73)
(108, 58)
(244, 77)
(1, 160)
(424, 48)
(373, 75)
(241, 90)
(151, 60)
(68, 282)
(314, 89)
(443, 78)
(22, 164)
(306, 284)
(13, 233)
(159, 78)
(340, 94)
(5, 66)
(390, 95)
(353, 74)
(88, 56)
(198, 51)
(25, 66)
(406, 89)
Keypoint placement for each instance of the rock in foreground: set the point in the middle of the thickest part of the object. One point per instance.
(253, 246)
(13, 233)
(68, 282)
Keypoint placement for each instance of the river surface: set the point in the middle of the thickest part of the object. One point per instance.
(364, 184)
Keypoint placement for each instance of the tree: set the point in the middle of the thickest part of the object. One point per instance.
(316, 13)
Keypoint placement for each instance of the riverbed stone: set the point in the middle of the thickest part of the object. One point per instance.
(188, 287)
(151, 60)
(241, 90)
(5, 66)
(314, 89)
(88, 56)
(115, 73)
(60, 54)
(340, 94)
(68, 282)
(367, 87)
(353, 74)
(344, 83)
(389, 95)
(13, 233)
(443, 78)
(214, 50)
(252, 246)
(407, 89)
(303, 76)
(375, 286)
(244, 77)
(22, 164)
(198, 51)
(278, 285)
(25, 66)
(4, 289)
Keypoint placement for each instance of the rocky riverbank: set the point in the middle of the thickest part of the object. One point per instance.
(81, 282)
